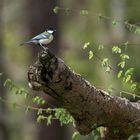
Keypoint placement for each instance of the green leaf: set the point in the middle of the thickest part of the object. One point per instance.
(137, 31)
(116, 49)
(128, 78)
(122, 64)
(28, 109)
(56, 9)
(39, 111)
(49, 110)
(126, 43)
(133, 86)
(110, 89)
(83, 12)
(38, 100)
(114, 22)
(43, 102)
(107, 69)
(90, 55)
(119, 74)
(7, 82)
(129, 71)
(40, 118)
(20, 91)
(75, 134)
(63, 116)
(49, 119)
(124, 56)
(100, 47)
(86, 45)
(105, 62)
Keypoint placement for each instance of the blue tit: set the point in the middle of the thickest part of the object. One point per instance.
(42, 39)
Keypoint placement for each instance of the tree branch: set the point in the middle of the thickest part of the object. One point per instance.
(89, 106)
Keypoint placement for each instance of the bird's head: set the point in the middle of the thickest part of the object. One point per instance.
(50, 30)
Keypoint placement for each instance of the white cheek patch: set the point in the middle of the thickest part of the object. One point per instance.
(50, 31)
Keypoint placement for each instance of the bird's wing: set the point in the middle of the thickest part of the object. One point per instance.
(40, 36)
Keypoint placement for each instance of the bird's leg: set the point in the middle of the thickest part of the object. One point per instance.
(45, 48)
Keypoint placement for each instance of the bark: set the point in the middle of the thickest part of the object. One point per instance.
(4, 130)
(40, 16)
(89, 106)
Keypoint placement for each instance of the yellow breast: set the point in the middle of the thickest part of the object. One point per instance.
(46, 41)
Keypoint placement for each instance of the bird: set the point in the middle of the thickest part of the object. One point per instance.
(42, 39)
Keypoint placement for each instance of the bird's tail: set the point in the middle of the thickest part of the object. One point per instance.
(24, 43)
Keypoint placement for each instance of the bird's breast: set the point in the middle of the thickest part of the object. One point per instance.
(46, 41)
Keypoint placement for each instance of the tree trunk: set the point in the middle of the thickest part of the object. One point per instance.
(40, 16)
(89, 106)
(4, 134)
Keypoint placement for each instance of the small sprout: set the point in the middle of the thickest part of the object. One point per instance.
(56, 9)
(90, 55)
(124, 56)
(86, 45)
(110, 89)
(83, 12)
(28, 109)
(40, 118)
(137, 31)
(129, 71)
(128, 78)
(38, 100)
(100, 47)
(20, 91)
(107, 69)
(119, 74)
(75, 134)
(134, 96)
(43, 102)
(49, 110)
(133, 86)
(122, 64)
(7, 82)
(49, 119)
(39, 111)
(126, 45)
(116, 49)
(120, 94)
(105, 62)
(114, 22)
(63, 116)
